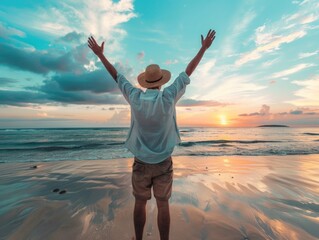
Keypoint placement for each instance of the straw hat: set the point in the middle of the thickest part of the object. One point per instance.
(153, 76)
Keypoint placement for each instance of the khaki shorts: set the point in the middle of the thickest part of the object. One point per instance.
(159, 176)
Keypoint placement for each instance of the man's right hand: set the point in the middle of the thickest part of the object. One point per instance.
(98, 50)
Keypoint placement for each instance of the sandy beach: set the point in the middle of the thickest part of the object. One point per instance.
(231, 197)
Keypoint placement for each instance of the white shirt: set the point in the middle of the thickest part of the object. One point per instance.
(153, 132)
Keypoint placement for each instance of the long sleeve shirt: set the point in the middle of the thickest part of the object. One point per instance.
(153, 132)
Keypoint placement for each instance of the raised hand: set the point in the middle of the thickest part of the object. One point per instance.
(209, 39)
(205, 45)
(98, 50)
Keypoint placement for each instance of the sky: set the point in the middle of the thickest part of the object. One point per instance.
(262, 67)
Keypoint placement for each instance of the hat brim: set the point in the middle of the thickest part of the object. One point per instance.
(142, 81)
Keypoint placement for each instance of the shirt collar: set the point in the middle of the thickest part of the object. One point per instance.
(152, 91)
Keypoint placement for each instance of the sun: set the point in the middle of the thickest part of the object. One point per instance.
(223, 120)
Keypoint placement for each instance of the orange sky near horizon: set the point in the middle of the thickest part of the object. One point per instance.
(80, 116)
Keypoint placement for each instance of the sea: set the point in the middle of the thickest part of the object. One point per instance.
(60, 144)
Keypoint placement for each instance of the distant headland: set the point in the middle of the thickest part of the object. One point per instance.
(273, 125)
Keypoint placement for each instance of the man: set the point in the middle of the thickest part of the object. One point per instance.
(153, 132)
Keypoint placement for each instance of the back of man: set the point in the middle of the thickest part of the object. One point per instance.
(152, 137)
(153, 124)
(153, 132)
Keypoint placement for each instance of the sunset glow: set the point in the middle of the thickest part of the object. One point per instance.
(262, 67)
(223, 120)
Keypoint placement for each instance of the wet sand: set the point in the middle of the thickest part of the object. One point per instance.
(233, 197)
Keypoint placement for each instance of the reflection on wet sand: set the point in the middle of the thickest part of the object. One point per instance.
(233, 197)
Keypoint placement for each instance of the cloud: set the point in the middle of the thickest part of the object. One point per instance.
(296, 112)
(299, 111)
(225, 83)
(66, 24)
(21, 98)
(42, 114)
(292, 70)
(84, 98)
(40, 122)
(307, 95)
(140, 55)
(171, 61)
(250, 114)
(75, 61)
(100, 18)
(269, 63)
(264, 111)
(271, 36)
(22, 59)
(311, 113)
(314, 109)
(7, 81)
(243, 20)
(308, 54)
(72, 38)
(6, 31)
(272, 82)
(43, 62)
(71, 76)
(125, 70)
(271, 44)
(225, 87)
(120, 118)
(98, 81)
(206, 69)
(73, 95)
(95, 88)
(187, 102)
(309, 19)
(41, 119)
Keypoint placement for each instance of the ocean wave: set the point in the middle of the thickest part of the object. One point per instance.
(224, 145)
(248, 153)
(312, 134)
(115, 143)
(63, 143)
(18, 129)
(26, 145)
(51, 148)
(64, 147)
(192, 143)
(62, 129)
(42, 143)
(186, 130)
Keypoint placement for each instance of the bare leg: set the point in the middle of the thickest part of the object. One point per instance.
(163, 219)
(139, 218)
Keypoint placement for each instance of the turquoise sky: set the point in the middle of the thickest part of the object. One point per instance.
(261, 69)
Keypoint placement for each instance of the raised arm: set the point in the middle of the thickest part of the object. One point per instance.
(206, 43)
(98, 50)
